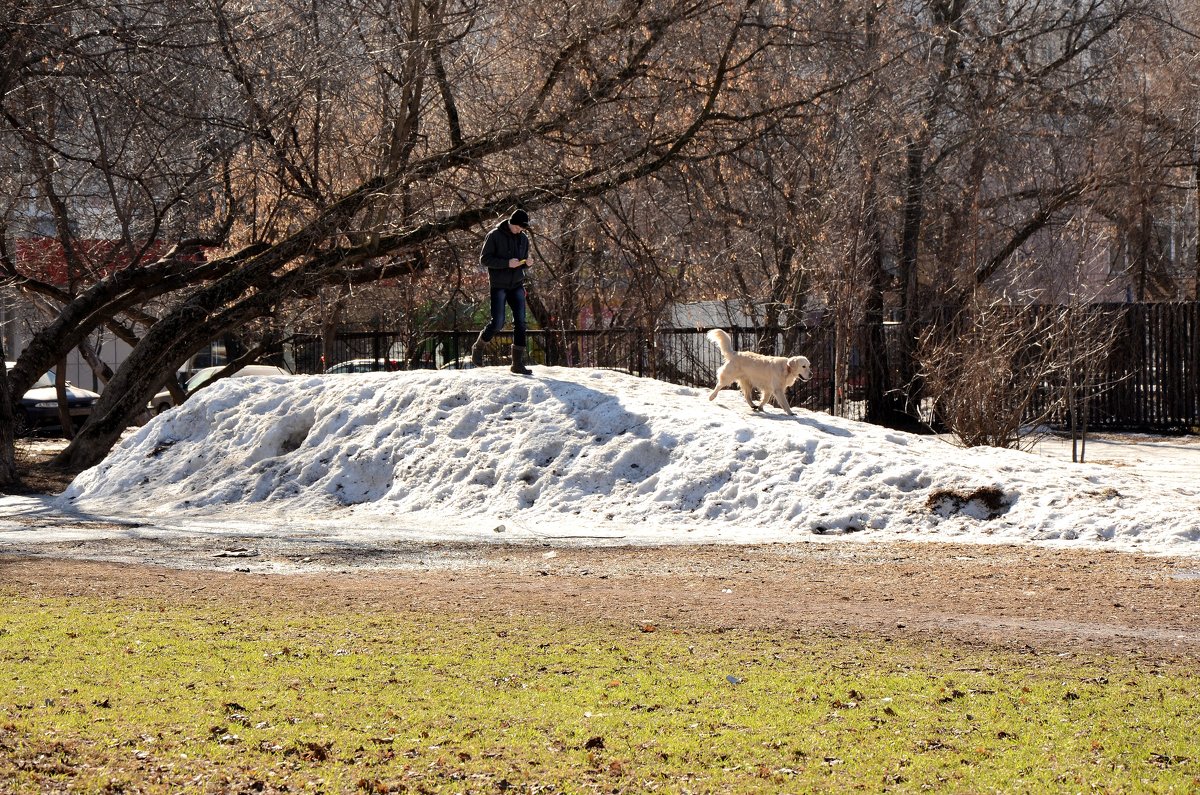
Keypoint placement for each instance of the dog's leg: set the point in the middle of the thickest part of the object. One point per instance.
(748, 393)
(781, 401)
(721, 384)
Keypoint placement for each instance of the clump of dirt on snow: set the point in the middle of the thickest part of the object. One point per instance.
(985, 502)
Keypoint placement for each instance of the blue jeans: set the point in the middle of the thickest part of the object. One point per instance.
(515, 298)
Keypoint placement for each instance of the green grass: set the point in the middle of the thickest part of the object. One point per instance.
(139, 696)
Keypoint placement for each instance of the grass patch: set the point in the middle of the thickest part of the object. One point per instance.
(147, 696)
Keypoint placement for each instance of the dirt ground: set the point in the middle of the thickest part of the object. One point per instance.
(1032, 599)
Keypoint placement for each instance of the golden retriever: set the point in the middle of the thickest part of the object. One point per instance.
(770, 375)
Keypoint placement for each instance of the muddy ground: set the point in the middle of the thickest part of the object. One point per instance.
(1033, 599)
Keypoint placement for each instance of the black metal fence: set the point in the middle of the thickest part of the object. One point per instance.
(679, 356)
(1148, 381)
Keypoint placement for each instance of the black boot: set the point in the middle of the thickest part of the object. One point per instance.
(477, 353)
(518, 365)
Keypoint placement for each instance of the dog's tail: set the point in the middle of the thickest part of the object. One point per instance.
(723, 340)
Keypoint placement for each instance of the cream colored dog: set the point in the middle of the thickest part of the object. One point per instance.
(770, 375)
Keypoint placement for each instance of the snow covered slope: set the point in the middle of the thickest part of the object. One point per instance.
(591, 454)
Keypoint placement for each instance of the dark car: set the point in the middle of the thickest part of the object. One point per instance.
(37, 409)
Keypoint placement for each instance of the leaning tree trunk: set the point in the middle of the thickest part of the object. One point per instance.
(251, 291)
(168, 342)
(109, 297)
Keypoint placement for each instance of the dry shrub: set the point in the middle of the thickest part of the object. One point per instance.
(995, 371)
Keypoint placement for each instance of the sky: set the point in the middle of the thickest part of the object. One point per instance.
(573, 456)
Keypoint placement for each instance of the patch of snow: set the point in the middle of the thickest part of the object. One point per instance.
(579, 456)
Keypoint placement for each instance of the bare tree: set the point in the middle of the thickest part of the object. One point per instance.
(998, 112)
(886, 159)
(494, 133)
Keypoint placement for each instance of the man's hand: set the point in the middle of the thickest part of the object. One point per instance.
(514, 263)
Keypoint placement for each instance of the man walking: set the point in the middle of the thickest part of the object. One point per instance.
(505, 254)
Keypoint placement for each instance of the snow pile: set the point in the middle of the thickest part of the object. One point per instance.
(589, 454)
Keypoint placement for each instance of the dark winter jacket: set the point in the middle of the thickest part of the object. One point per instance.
(499, 247)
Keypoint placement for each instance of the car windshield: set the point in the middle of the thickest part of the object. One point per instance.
(47, 379)
(201, 378)
(208, 373)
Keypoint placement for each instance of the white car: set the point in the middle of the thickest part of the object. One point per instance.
(365, 366)
(163, 400)
(38, 408)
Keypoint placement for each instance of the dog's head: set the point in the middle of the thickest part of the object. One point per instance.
(798, 367)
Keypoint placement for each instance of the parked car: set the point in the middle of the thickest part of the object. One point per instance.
(365, 366)
(212, 356)
(163, 400)
(37, 409)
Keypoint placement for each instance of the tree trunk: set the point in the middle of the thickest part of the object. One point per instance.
(150, 364)
(8, 460)
(914, 211)
(331, 321)
(947, 18)
(876, 370)
(875, 354)
(60, 395)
